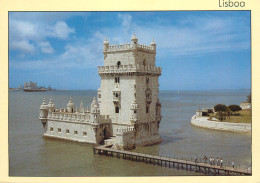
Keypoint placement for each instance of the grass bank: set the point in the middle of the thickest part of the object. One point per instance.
(245, 117)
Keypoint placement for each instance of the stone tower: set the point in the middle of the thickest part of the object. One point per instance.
(129, 89)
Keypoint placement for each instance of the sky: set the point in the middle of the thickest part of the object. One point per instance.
(197, 50)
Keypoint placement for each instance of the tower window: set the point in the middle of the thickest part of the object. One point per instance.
(99, 95)
(67, 131)
(144, 62)
(116, 109)
(117, 79)
(116, 94)
(134, 111)
(147, 108)
(147, 80)
(59, 130)
(51, 129)
(118, 64)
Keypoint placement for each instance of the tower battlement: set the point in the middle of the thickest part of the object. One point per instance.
(133, 46)
(128, 47)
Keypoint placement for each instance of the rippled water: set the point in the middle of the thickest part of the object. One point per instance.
(32, 155)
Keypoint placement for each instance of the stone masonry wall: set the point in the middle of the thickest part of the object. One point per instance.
(72, 127)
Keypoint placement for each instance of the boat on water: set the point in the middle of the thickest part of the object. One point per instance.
(35, 90)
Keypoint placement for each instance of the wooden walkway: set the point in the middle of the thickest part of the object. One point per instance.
(171, 162)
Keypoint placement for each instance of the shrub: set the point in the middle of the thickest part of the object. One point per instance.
(222, 111)
(234, 108)
(220, 108)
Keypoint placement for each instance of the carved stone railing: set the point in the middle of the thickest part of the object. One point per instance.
(128, 46)
(145, 47)
(129, 69)
(71, 117)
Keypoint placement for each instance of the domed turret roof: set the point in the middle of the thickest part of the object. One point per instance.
(106, 41)
(152, 43)
(94, 103)
(134, 37)
(51, 104)
(44, 105)
(70, 104)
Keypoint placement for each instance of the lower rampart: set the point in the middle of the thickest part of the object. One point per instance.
(225, 126)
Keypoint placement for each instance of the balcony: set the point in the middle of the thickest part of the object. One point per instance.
(129, 69)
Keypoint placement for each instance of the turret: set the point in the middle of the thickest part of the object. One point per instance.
(81, 109)
(153, 45)
(43, 112)
(70, 106)
(51, 106)
(134, 112)
(99, 96)
(158, 110)
(95, 112)
(105, 45)
(134, 42)
(105, 48)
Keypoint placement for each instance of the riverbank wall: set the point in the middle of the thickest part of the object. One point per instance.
(225, 126)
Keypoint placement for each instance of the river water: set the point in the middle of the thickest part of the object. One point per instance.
(32, 155)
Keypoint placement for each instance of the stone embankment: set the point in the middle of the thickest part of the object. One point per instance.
(225, 126)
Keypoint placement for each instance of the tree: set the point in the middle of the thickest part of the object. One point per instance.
(222, 111)
(234, 108)
(249, 98)
(220, 107)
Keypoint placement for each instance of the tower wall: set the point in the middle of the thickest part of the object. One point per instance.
(137, 63)
(107, 106)
(141, 87)
(125, 57)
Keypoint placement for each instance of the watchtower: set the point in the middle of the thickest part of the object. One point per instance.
(130, 87)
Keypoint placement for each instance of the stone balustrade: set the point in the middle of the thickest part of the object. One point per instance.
(125, 130)
(145, 47)
(72, 117)
(127, 46)
(129, 68)
(119, 47)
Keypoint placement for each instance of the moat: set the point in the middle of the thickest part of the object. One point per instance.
(32, 155)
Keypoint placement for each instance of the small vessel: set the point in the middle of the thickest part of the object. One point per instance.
(32, 87)
(35, 90)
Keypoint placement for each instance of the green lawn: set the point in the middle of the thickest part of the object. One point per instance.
(245, 117)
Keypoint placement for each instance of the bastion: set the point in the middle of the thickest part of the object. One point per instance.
(127, 111)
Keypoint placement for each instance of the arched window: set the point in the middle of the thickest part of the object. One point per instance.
(144, 62)
(147, 80)
(147, 108)
(116, 94)
(117, 109)
(117, 79)
(118, 64)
